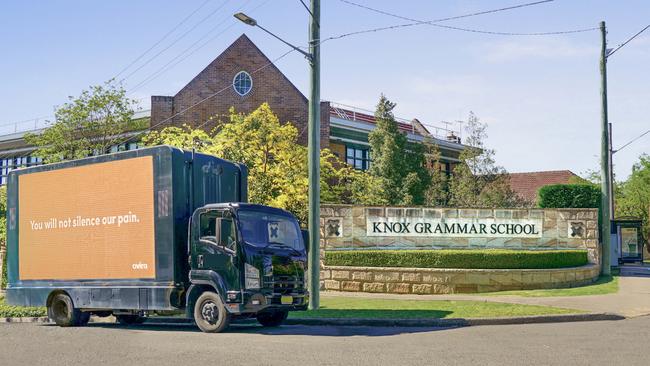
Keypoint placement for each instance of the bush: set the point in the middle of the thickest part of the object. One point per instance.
(469, 258)
(569, 196)
(9, 311)
(3, 278)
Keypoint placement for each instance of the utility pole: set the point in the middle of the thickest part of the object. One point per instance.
(313, 142)
(612, 208)
(314, 156)
(604, 160)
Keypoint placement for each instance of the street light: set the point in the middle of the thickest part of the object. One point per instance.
(246, 19)
(253, 23)
(313, 142)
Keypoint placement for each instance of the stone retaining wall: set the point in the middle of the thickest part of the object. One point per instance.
(449, 281)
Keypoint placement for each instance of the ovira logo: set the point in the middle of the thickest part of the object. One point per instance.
(139, 265)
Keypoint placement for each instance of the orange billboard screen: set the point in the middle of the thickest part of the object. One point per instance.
(87, 222)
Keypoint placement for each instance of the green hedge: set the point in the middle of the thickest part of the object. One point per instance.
(569, 196)
(469, 258)
(9, 311)
(3, 278)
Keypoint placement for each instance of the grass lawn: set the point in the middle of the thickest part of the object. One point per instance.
(358, 307)
(605, 285)
(8, 311)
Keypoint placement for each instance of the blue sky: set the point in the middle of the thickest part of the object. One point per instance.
(539, 95)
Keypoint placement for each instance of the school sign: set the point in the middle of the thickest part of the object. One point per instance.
(493, 228)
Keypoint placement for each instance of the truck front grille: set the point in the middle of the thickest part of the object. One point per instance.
(283, 284)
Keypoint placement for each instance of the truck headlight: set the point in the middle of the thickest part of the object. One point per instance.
(251, 277)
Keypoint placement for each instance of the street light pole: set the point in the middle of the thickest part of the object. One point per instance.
(314, 156)
(313, 143)
(604, 159)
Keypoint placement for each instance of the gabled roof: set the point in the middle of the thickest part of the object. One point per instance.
(241, 43)
(527, 184)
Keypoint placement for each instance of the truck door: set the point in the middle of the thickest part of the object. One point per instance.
(214, 245)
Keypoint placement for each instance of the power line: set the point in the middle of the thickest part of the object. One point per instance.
(434, 22)
(309, 11)
(448, 18)
(459, 29)
(161, 39)
(628, 41)
(184, 55)
(165, 67)
(177, 39)
(631, 141)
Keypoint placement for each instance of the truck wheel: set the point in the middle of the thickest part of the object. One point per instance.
(62, 311)
(129, 319)
(210, 314)
(272, 319)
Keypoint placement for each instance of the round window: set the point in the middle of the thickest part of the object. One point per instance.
(242, 83)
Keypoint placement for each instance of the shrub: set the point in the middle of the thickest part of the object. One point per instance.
(3, 278)
(569, 196)
(468, 258)
(9, 311)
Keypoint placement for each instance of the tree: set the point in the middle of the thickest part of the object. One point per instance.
(89, 124)
(633, 198)
(437, 193)
(398, 165)
(277, 164)
(477, 181)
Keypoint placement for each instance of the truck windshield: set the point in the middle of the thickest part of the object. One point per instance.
(262, 229)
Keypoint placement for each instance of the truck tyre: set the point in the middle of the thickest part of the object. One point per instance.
(210, 313)
(272, 318)
(130, 319)
(62, 311)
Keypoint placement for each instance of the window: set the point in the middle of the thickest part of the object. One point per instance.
(262, 229)
(208, 229)
(242, 83)
(34, 160)
(6, 167)
(358, 158)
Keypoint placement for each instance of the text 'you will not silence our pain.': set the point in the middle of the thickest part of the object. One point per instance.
(78, 221)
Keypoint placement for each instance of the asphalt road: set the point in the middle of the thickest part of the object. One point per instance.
(588, 343)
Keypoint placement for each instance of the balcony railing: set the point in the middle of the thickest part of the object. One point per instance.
(352, 113)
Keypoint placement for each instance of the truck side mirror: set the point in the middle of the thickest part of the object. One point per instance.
(305, 238)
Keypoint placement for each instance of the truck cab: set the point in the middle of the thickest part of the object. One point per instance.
(255, 258)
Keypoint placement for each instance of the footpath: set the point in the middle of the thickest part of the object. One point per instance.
(632, 299)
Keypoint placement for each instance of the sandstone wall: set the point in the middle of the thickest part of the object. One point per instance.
(450, 281)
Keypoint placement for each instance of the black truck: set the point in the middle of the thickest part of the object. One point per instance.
(155, 230)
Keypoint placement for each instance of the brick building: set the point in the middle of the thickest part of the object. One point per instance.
(243, 77)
